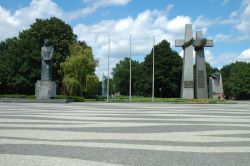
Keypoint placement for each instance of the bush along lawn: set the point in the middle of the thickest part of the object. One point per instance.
(167, 100)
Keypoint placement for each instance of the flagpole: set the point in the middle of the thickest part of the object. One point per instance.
(153, 76)
(130, 74)
(108, 71)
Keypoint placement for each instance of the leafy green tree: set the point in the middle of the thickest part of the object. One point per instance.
(236, 80)
(210, 70)
(168, 66)
(59, 33)
(72, 85)
(20, 58)
(111, 85)
(76, 67)
(92, 85)
(121, 76)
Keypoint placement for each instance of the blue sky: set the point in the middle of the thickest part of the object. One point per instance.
(224, 21)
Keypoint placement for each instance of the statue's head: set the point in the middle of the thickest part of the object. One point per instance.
(46, 42)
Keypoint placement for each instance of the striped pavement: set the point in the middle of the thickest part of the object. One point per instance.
(124, 134)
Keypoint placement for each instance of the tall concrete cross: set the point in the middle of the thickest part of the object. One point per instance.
(201, 74)
(187, 83)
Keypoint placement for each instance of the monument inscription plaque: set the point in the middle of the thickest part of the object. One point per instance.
(201, 79)
(188, 84)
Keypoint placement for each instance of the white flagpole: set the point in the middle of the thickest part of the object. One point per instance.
(153, 77)
(108, 71)
(130, 74)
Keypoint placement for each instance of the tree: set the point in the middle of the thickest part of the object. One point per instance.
(121, 76)
(236, 80)
(92, 85)
(20, 58)
(210, 70)
(111, 85)
(76, 67)
(59, 33)
(168, 66)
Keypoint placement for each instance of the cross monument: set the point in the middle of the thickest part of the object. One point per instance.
(201, 74)
(187, 83)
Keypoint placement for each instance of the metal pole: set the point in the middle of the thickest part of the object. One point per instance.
(130, 74)
(108, 71)
(153, 77)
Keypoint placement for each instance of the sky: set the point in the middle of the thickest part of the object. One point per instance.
(227, 22)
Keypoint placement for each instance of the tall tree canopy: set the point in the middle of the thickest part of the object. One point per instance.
(168, 65)
(121, 76)
(20, 58)
(79, 68)
(236, 80)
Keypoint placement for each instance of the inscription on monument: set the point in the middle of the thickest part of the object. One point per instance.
(201, 79)
(188, 84)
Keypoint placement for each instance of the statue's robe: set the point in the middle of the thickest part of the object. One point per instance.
(47, 53)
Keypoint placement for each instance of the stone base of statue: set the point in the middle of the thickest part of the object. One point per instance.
(45, 90)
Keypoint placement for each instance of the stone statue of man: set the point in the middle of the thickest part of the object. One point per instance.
(47, 54)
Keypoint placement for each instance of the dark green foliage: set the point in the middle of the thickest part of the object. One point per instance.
(168, 66)
(111, 85)
(20, 58)
(236, 80)
(210, 70)
(121, 76)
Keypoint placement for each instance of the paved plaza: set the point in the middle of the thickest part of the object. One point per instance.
(83, 134)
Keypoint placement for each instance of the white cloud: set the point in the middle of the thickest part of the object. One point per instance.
(13, 22)
(178, 24)
(244, 23)
(224, 2)
(209, 57)
(92, 6)
(244, 56)
(142, 28)
(225, 59)
(220, 37)
(234, 14)
(104, 3)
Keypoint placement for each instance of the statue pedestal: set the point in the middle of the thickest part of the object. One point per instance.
(45, 90)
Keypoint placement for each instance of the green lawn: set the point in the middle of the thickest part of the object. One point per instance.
(168, 100)
(125, 99)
